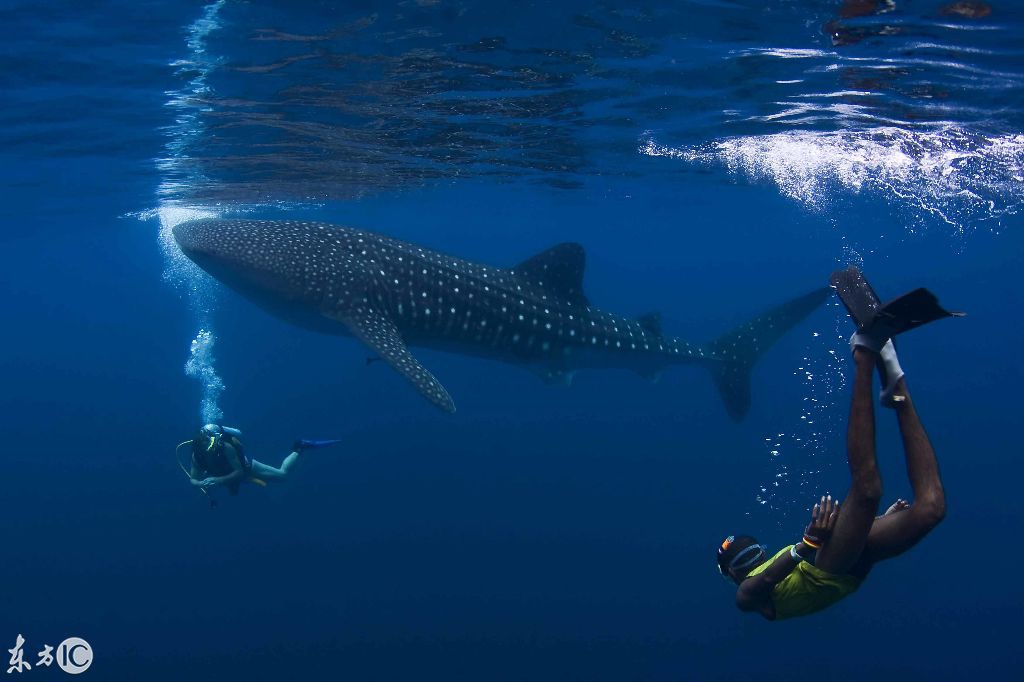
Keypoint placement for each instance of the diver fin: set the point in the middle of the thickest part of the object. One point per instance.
(559, 270)
(379, 333)
(903, 313)
(735, 352)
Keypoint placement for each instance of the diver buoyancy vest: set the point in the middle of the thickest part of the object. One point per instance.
(213, 459)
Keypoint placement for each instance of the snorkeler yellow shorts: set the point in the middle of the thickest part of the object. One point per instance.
(807, 589)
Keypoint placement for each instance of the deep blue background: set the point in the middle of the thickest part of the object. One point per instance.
(539, 533)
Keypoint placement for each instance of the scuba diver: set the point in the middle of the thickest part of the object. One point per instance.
(840, 546)
(219, 459)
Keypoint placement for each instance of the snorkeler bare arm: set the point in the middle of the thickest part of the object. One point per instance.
(755, 593)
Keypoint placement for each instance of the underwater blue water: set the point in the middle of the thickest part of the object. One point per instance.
(714, 158)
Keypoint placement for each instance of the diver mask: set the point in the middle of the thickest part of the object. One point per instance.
(214, 432)
(211, 434)
(745, 559)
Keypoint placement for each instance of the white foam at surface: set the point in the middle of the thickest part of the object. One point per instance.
(953, 175)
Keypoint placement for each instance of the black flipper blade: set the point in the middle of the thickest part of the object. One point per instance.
(903, 313)
(858, 297)
(379, 333)
(911, 310)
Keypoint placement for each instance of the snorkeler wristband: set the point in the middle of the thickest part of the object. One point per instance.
(795, 554)
(813, 543)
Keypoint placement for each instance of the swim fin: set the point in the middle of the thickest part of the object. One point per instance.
(903, 313)
(877, 324)
(303, 444)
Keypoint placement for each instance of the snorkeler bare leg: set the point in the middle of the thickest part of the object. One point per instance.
(895, 533)
(857, 514)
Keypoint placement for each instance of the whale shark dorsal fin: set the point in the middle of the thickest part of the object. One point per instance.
(651, 323)
(558, 269)
(377, 331)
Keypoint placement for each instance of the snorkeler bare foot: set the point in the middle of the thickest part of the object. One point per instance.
(840, 546)
(219, 459)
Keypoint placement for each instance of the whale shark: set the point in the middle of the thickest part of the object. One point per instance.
(393, 295)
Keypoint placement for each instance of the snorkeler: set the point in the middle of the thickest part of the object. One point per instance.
(839, 547)
(218, 458)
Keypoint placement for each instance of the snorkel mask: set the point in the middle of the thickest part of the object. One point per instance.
(745, 559)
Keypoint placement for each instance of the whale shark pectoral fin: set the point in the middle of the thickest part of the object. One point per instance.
(378, 332)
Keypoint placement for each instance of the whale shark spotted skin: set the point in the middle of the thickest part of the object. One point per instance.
(392, 295)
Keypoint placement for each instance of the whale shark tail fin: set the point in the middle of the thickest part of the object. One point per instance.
(735, 352)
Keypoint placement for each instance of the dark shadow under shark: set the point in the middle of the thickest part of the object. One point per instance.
(392, 294)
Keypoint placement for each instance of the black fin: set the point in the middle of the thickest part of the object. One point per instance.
(903, 313)
(559, 270)
(911, 310)
(858, 297)
(651, 323)
(735, 353)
